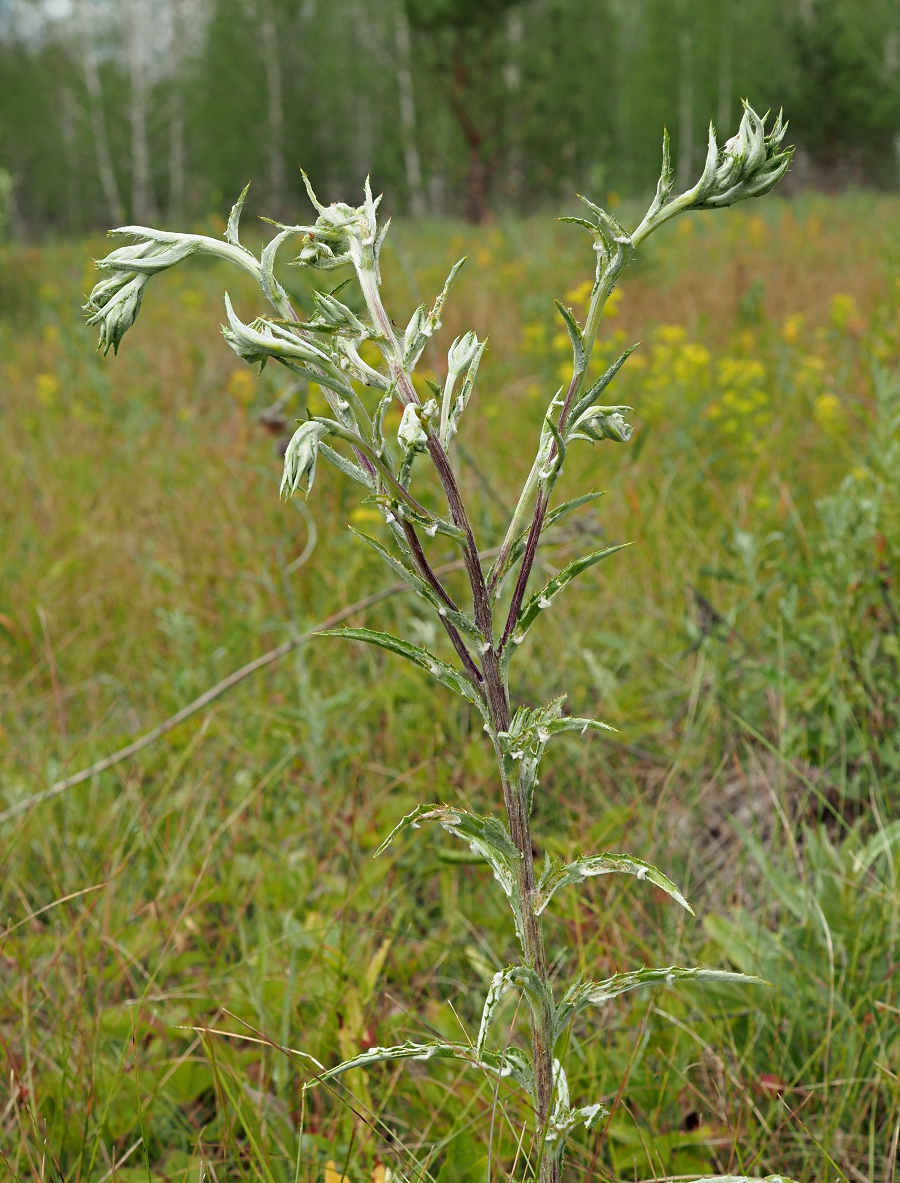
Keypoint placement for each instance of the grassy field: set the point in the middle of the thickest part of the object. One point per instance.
(222, 882)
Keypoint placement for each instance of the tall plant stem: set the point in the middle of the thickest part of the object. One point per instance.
(496, 696)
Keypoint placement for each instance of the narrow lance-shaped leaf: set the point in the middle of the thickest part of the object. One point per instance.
(555, 515)
(601, 384)
(422, 589)
(521, 976)
(585, 994)
(452, 678)
(437, 308)
(486, 836)
(234, 219)
(348, 467)
(564, 1117)
(500, 983)
(529, 733)
(543, 599)
(579, 359)
(274, 292)
(512, 1064)
(557, 876)
(743, 1179)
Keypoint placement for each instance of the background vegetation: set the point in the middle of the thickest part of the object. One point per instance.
(114, 110)
(746, 646)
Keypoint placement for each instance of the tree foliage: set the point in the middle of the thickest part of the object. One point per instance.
(500, 103)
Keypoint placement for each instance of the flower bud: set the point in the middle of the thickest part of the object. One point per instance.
(259, 341)
(300, 458)
(113, 305)
(461, 352)
(603, 423)
(339, 233)
(411, 434)
(749, 165)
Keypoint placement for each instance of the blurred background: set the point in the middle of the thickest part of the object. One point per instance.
(127, 110)
(747, 646)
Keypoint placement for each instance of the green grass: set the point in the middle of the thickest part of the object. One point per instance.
(746, 647)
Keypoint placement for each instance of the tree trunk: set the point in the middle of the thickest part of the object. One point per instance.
(69, 136)
(176, 112)
(512, 75)
(685, 107)
(477, 175)
(99, 132)
(142, 203)
(408, 112)
(275, 147)
(723, 113)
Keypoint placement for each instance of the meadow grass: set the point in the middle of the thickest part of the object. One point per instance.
(746, 645)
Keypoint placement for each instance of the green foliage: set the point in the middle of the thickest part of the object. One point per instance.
(437, 14)
(500, 104)
(327, 351)
(836, 622)
(139, 511)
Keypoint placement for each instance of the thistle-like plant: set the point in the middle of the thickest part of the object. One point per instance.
(487, 632)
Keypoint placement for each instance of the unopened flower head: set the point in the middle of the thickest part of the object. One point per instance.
(411, 434)
(300, 458)
(262, 339)
(340, 231)
(603, 423)
(750, 164)
(461, 352)
(113, 305)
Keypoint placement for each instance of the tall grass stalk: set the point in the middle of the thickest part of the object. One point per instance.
(331, 350)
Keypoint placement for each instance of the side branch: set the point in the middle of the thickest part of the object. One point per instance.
(428, 574)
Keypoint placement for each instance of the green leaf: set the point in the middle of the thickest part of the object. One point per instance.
(272, 289)
(513, 1063)
(518, 547)
(743, 1179)
(579, 997)
(560, 458)
(348, 467)
(544, 598)
(486, 836)
(579, 360)
(422, 589)
(529, 733)
(234, 219)
(452, 678)
(611, 231)
(564, 1118)
(437, 308)
(521, 976)
(588, 399)
(666, 177)
(556, 876)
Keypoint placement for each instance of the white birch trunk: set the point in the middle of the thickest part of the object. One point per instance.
(272, 63)
(99, 133)
(408, 112)
(176, 112)
(68, 132)
(142, 204)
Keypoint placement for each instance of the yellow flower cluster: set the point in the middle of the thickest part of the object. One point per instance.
(742, 409)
